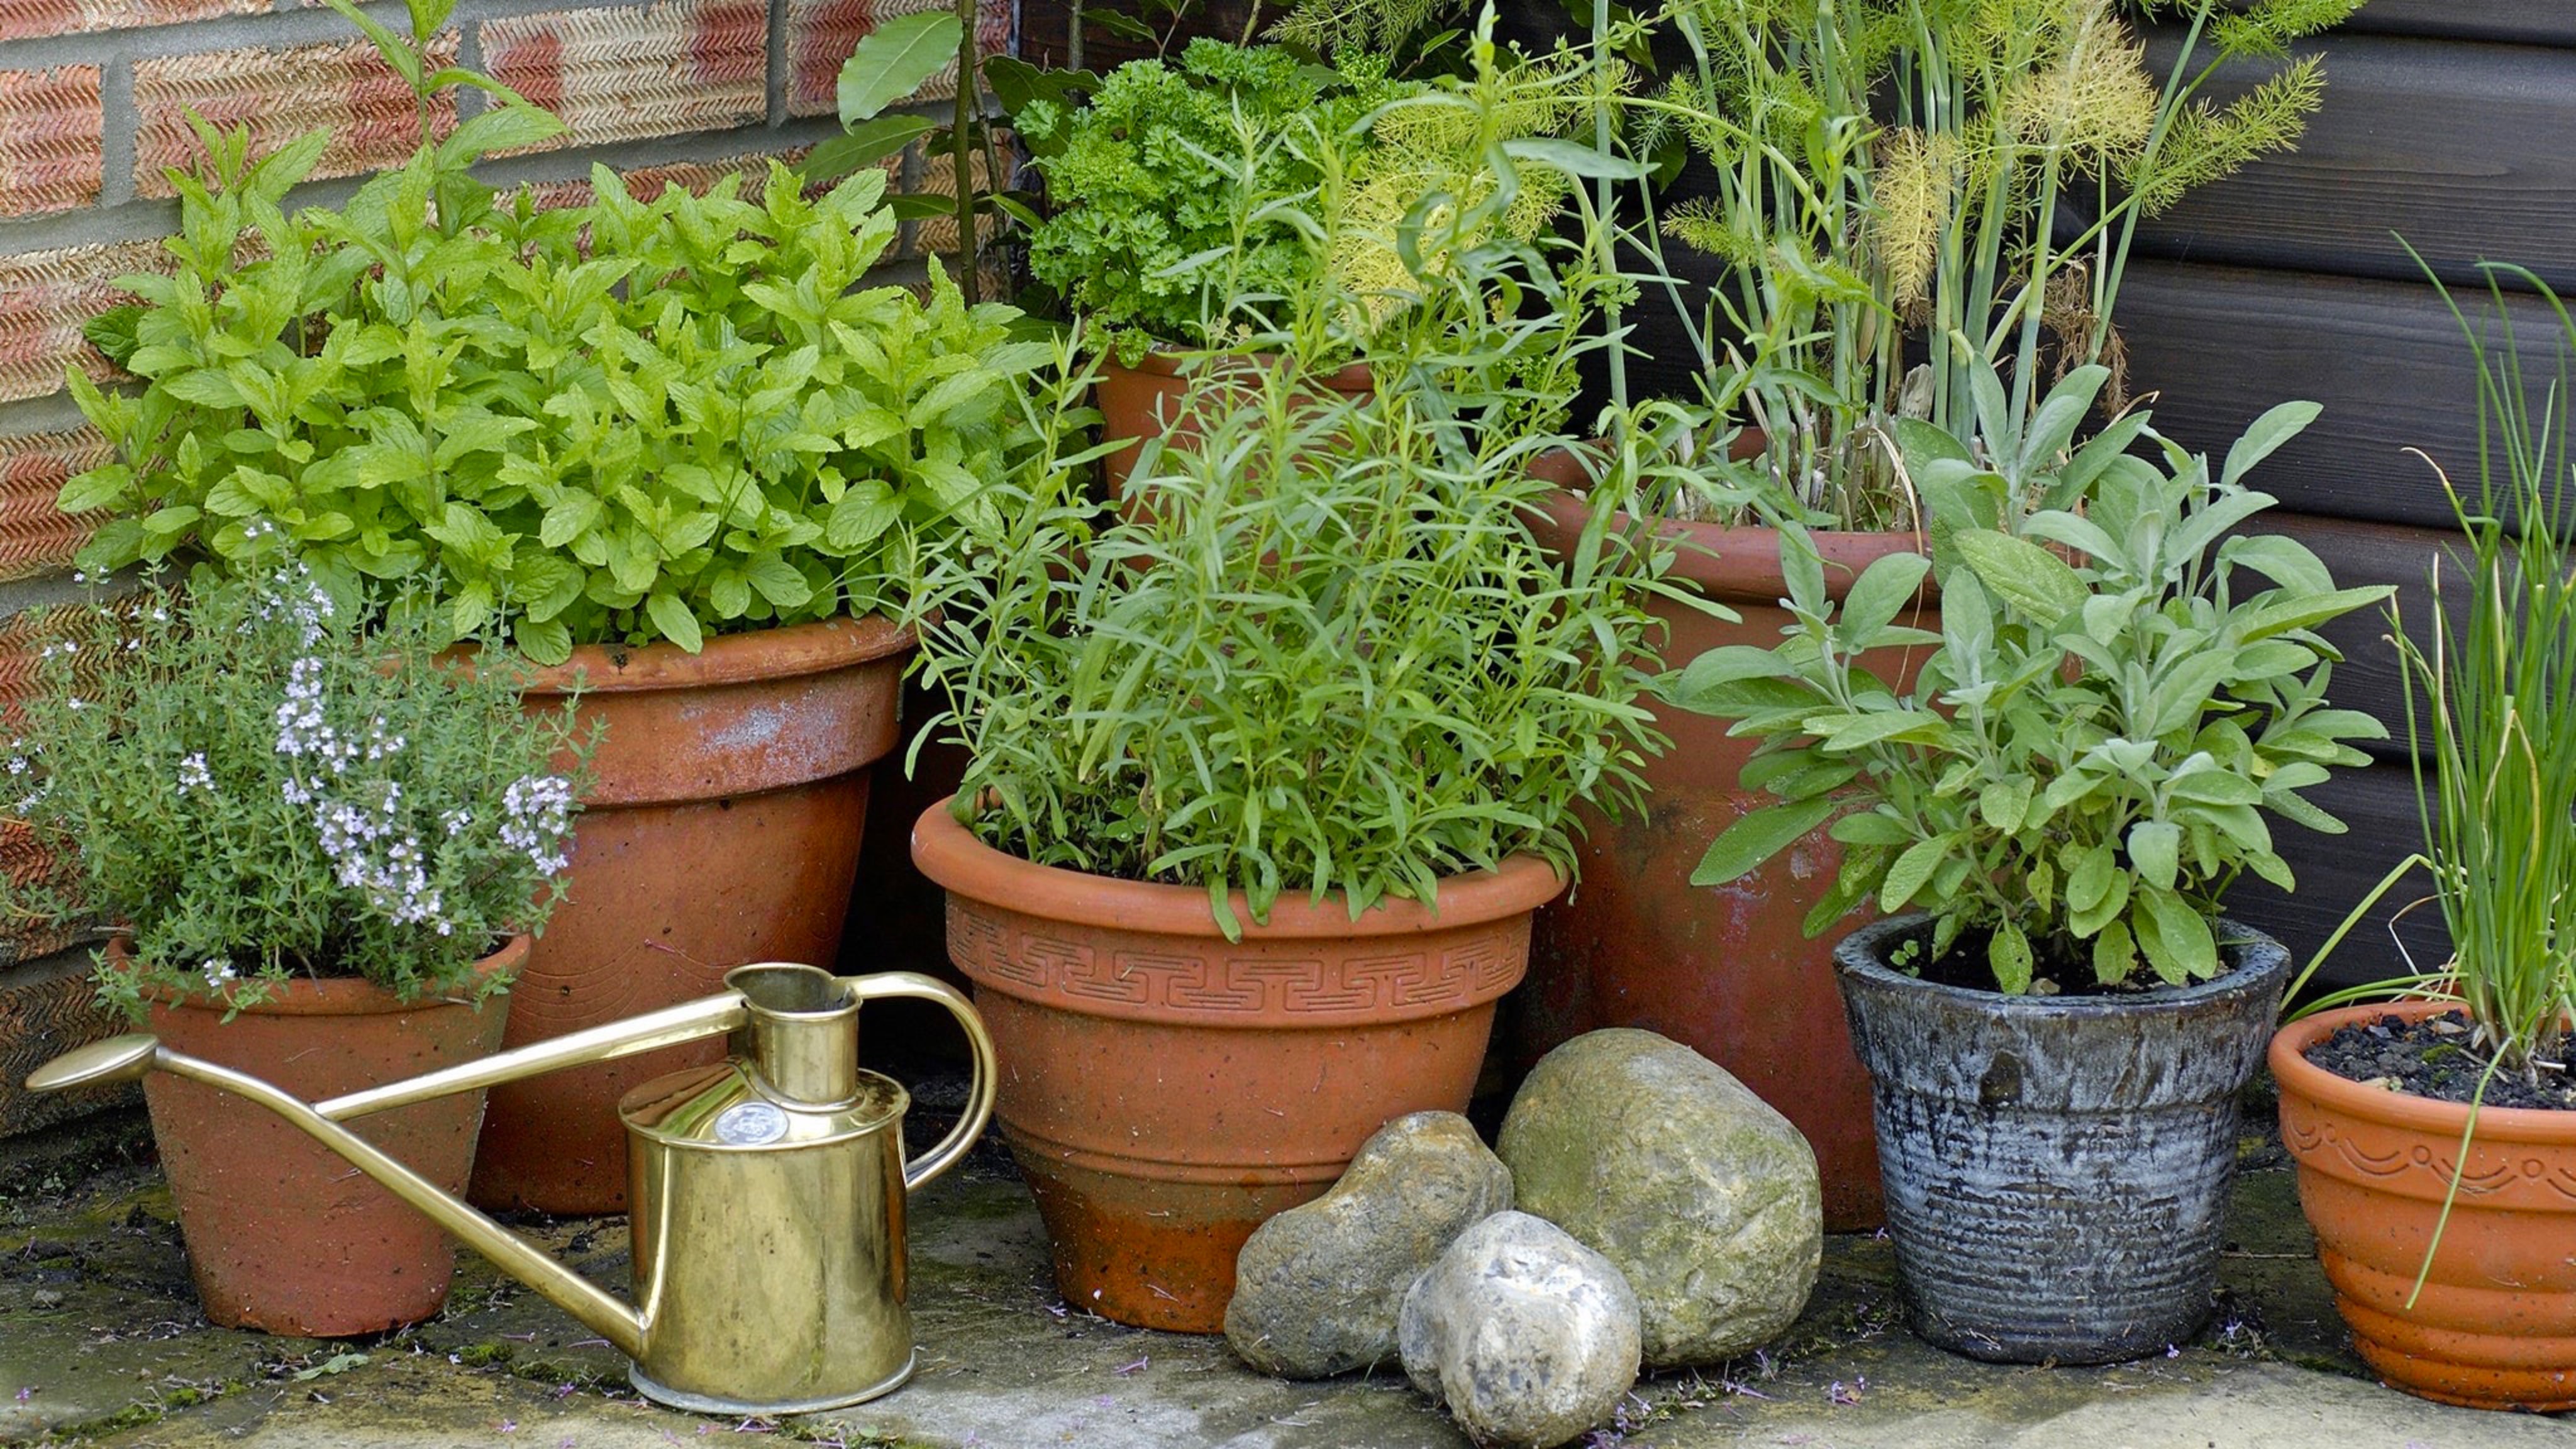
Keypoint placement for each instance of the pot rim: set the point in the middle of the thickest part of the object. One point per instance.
(2287, 1056)
(332, 995)
(1740, 564)
(957, 861)
(1859, 954)
(780, 651)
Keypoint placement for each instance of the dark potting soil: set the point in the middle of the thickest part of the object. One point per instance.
(2054, 972)
(2435, 1057)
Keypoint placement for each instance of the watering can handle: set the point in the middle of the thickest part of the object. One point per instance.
(979, 1093)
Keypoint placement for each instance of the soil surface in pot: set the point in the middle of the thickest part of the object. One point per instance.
(2435, 1057)
(2054, 970)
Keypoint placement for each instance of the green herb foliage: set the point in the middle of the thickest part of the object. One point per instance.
(1320, 652)
(2121, 688)
(255, 789)
(1884, 182)
(2497, 716)
(617, 422)
(1163, 185)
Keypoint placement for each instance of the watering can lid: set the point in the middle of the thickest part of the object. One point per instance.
(720, 1107)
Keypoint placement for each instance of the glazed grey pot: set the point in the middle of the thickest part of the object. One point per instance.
(2057, 1168)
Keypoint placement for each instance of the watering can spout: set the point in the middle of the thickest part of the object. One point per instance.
(753, 1299)
(130, 1058)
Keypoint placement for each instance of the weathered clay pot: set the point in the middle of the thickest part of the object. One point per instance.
(282, 1235)
(1727, 971)
(1167, 1091)
(723, 827)
(2496, 1325)
(2057, 1167)
(1138, 402)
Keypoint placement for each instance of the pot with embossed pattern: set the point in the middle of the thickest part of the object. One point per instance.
(1167, 1090)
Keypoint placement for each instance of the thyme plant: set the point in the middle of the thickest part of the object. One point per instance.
(254, 788)
(2121, 688)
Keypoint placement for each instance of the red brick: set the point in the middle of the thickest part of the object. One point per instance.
(49, 139)
(630, 72)
(44, 299)
(281, 93)
(35, 536)
(821, 34)
(29, 19)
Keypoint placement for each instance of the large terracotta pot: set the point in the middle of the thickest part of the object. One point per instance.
(1167, 1091)
(282, 1235)
(1138, 402)
(1728, 971)
(723, 827)
(2496, 1325)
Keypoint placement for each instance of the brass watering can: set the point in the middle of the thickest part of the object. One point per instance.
(767, 1191)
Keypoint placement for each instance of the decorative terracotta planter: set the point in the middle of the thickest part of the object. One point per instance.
(2496, 1325)
(1137, 402)
(283, 1236)
(1167, 1091)
(723, 827)
(1727, 971)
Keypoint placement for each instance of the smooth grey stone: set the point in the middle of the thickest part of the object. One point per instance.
(1658, 1159)
(1317, 1288)
(1526, 1336)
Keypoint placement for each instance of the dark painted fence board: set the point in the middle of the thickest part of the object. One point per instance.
(2335, 872)
(2219, 345)
(2538, 22)
(2440, 143)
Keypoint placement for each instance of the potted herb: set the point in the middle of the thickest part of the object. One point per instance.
(2436, 1137)
(1264, 783)
(680, 451)
(320, 852)
(1861, 178)
(2056, 1026)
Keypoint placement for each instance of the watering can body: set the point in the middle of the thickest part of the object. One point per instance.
(768, 1192)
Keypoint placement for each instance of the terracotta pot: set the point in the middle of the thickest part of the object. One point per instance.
(283, 1236)
(1727, 971)
(1136, 402)
(723, 827)
(2496, 1325)
(1167, 1091)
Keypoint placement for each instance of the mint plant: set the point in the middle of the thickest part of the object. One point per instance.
(618, 422)
(2121, 688)
(255, 786)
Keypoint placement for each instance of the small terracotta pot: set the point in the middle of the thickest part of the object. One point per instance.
(1137, 402)
(730, 795)
(283, 1236)
(2496, 1325)
(1167, 1091)
(1727, 971)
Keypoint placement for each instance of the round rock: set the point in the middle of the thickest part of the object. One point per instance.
(1317, 1288)
(1525, 1335)
(1658, 1159)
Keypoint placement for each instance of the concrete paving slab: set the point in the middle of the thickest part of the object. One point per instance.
(100, 1342)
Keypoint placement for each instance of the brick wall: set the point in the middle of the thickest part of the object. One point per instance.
(94, 100)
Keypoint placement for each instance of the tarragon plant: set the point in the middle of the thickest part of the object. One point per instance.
(2122, 687)
(255, 788)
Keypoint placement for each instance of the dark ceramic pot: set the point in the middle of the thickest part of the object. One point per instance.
(2057, 1168)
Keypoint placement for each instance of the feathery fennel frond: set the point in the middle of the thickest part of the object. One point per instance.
(2093, 102)
(1910, 198)
(2205, 144)
(1703, 226)
(2268, 28)
(1329, 27)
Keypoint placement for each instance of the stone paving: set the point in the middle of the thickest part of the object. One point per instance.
(100, 1342)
